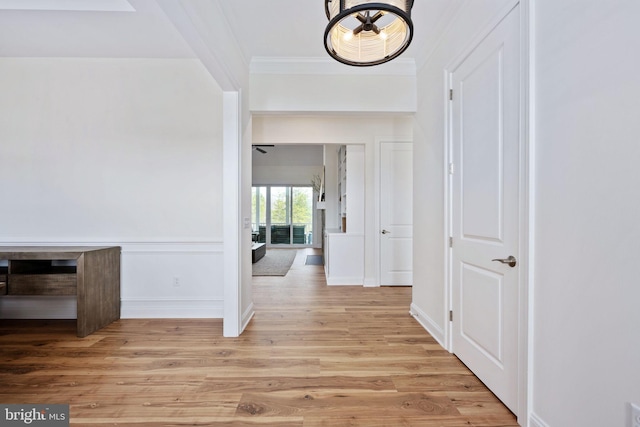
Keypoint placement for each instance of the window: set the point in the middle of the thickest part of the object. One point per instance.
(282, 215)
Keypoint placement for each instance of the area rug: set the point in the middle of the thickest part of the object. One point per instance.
(314, 260)
(276, 262)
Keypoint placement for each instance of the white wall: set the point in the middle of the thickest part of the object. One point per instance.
(585, 345)
(326, 85)
(123, 152)
(355, 208)
(586, 335)
(290, 164)
(429, 160)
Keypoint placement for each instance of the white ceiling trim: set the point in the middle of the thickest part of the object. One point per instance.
(68, 5)
(328, 66)
(225, 64)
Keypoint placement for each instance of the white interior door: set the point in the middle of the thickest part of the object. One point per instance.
(396, 214)
(485, 112)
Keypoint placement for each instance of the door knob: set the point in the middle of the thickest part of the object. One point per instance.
(385, 232)
(511, 260)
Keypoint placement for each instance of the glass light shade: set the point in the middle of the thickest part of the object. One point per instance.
(367, 32)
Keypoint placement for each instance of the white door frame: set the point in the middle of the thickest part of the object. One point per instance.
(525, 205)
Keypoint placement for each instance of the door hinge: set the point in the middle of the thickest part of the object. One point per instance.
(450, 94)
(452, 168)
(450, 315)
(450, 242)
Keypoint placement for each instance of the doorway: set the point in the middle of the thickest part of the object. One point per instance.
(283, 198)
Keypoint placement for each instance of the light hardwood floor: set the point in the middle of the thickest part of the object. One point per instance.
(312, 356)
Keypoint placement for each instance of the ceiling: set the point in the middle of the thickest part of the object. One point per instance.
(279, 29)
(145, 32)
(295, 28)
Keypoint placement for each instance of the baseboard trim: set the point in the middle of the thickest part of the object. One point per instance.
(371, 283)
(247, 316)
(427, 323)
(536, 421)
(172, 309)
(345, 281)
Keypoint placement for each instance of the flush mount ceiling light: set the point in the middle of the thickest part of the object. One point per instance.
(367, 32)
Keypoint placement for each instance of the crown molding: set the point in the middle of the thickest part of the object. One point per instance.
(327, 66)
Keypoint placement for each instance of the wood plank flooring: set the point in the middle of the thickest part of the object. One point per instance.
(313, 356)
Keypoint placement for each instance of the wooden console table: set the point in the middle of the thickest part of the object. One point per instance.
(90, 273)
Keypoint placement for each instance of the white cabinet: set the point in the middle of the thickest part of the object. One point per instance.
(344, 258)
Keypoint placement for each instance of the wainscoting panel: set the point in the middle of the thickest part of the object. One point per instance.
(176, 279)
(172, 280)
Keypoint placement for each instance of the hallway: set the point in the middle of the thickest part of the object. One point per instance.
(312, 356)
(361, 359)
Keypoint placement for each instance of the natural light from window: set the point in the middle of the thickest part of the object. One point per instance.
(282, 215)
